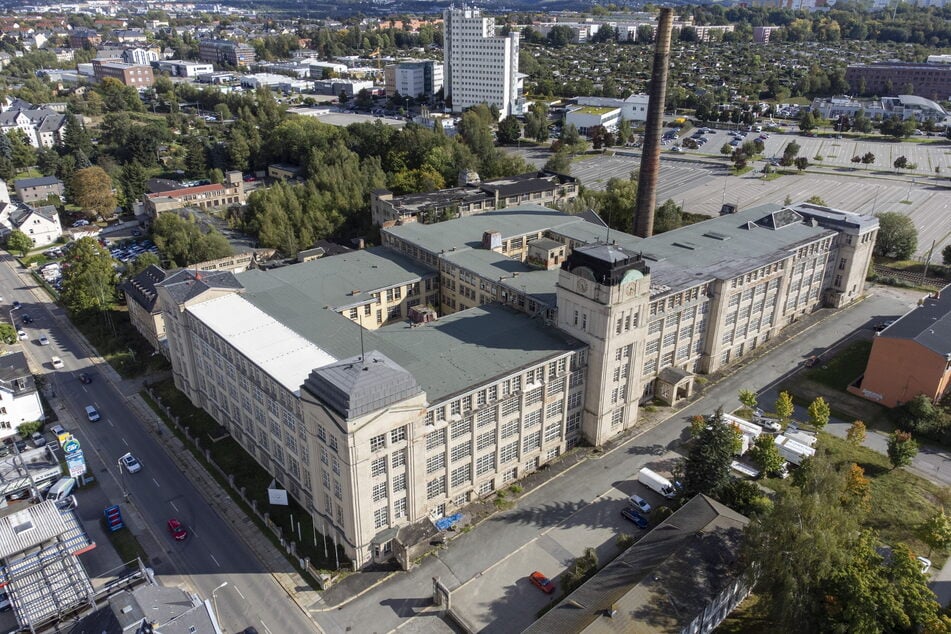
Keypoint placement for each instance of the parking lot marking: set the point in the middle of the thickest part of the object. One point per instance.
(213, 559)
(174, 507)
(124, 442)
(238, 590)
(264, 625)
(110, 422)
(156, 482)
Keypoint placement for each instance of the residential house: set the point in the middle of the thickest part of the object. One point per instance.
(40, 223)
(19, 397)
(33, 189)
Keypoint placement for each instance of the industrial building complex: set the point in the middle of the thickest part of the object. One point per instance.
(393, 385)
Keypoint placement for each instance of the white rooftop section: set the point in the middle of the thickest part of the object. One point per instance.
(266, 342)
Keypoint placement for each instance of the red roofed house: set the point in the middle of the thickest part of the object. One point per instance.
(231, 192)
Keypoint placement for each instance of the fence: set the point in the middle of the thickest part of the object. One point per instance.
(323, 579)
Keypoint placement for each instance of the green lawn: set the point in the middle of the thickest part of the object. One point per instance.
(119, 343)
(839, 371)
(126, 545)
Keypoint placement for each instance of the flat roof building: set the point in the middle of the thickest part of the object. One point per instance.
(480, 66)
(226, 52)
(393, 385)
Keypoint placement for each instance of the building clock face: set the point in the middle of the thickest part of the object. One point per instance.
(582, 286)
(630, 290)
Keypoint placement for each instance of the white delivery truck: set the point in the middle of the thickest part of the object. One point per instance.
(656, 482)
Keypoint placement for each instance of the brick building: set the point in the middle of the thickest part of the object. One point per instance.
(912, 356)
(127, 74)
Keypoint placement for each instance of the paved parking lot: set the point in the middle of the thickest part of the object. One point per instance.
(701, 183)
(504, 589)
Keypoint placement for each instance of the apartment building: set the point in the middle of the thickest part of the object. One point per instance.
(393, 385)
(413, 78)
(542, 188)
(128, 74)
(480, 66)
(42, 126)
(227, 52)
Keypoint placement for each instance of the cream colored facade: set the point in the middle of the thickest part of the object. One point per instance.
(359, 441)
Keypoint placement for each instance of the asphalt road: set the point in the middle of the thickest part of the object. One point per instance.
(212, 554)
(486, 567)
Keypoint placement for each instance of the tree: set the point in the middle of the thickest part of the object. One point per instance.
(784, 407)
(902, 449)
(19, 242)
(748, 398)
(856, 433)
(75, 137)
(697, 424)
(765, 454)
(89, 281)
(510, 131)
(183, 242)
(897, 236)
(91, 189)
(946, 255)
(141, 263)
(817, 571)
(898, 129)
(857, 493)
(8, 334)
(900, 163)
(559, 162)
(132, 183)
(868, 158)
(707, 466)
(726, 149)
(819, 412)
(667, 217)
(801, 163)
(936, 532)
(817, 200)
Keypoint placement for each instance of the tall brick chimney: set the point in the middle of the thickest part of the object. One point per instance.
(650, 154)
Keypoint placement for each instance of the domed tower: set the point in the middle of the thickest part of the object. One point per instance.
(603, 292)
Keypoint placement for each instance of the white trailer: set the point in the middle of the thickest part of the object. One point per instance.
(794, 452)
(656, 482)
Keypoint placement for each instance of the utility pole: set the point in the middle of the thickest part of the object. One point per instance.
(924, 273)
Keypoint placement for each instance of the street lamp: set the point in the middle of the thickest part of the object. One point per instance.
(214, 599)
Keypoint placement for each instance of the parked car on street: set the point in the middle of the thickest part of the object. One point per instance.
(640, 503)
(542, 582)
(639, 520)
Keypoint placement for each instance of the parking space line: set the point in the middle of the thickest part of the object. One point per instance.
(238, 590)
(214, 560)
(124, 442)
(174, 507)
(156, 482)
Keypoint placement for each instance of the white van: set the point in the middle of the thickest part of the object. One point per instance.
(91, 413)
(62, 489)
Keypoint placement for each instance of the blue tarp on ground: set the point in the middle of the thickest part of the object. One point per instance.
(445, 523)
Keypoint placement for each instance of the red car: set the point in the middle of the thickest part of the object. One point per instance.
(177, 530)
(542, 582)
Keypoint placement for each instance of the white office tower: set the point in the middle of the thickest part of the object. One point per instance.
(480, 66)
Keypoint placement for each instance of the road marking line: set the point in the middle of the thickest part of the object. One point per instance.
(266, 627)
(238, 590)
(156, 482)
(124, 442)
(214, 560)
(110, 423)
(174, 507)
